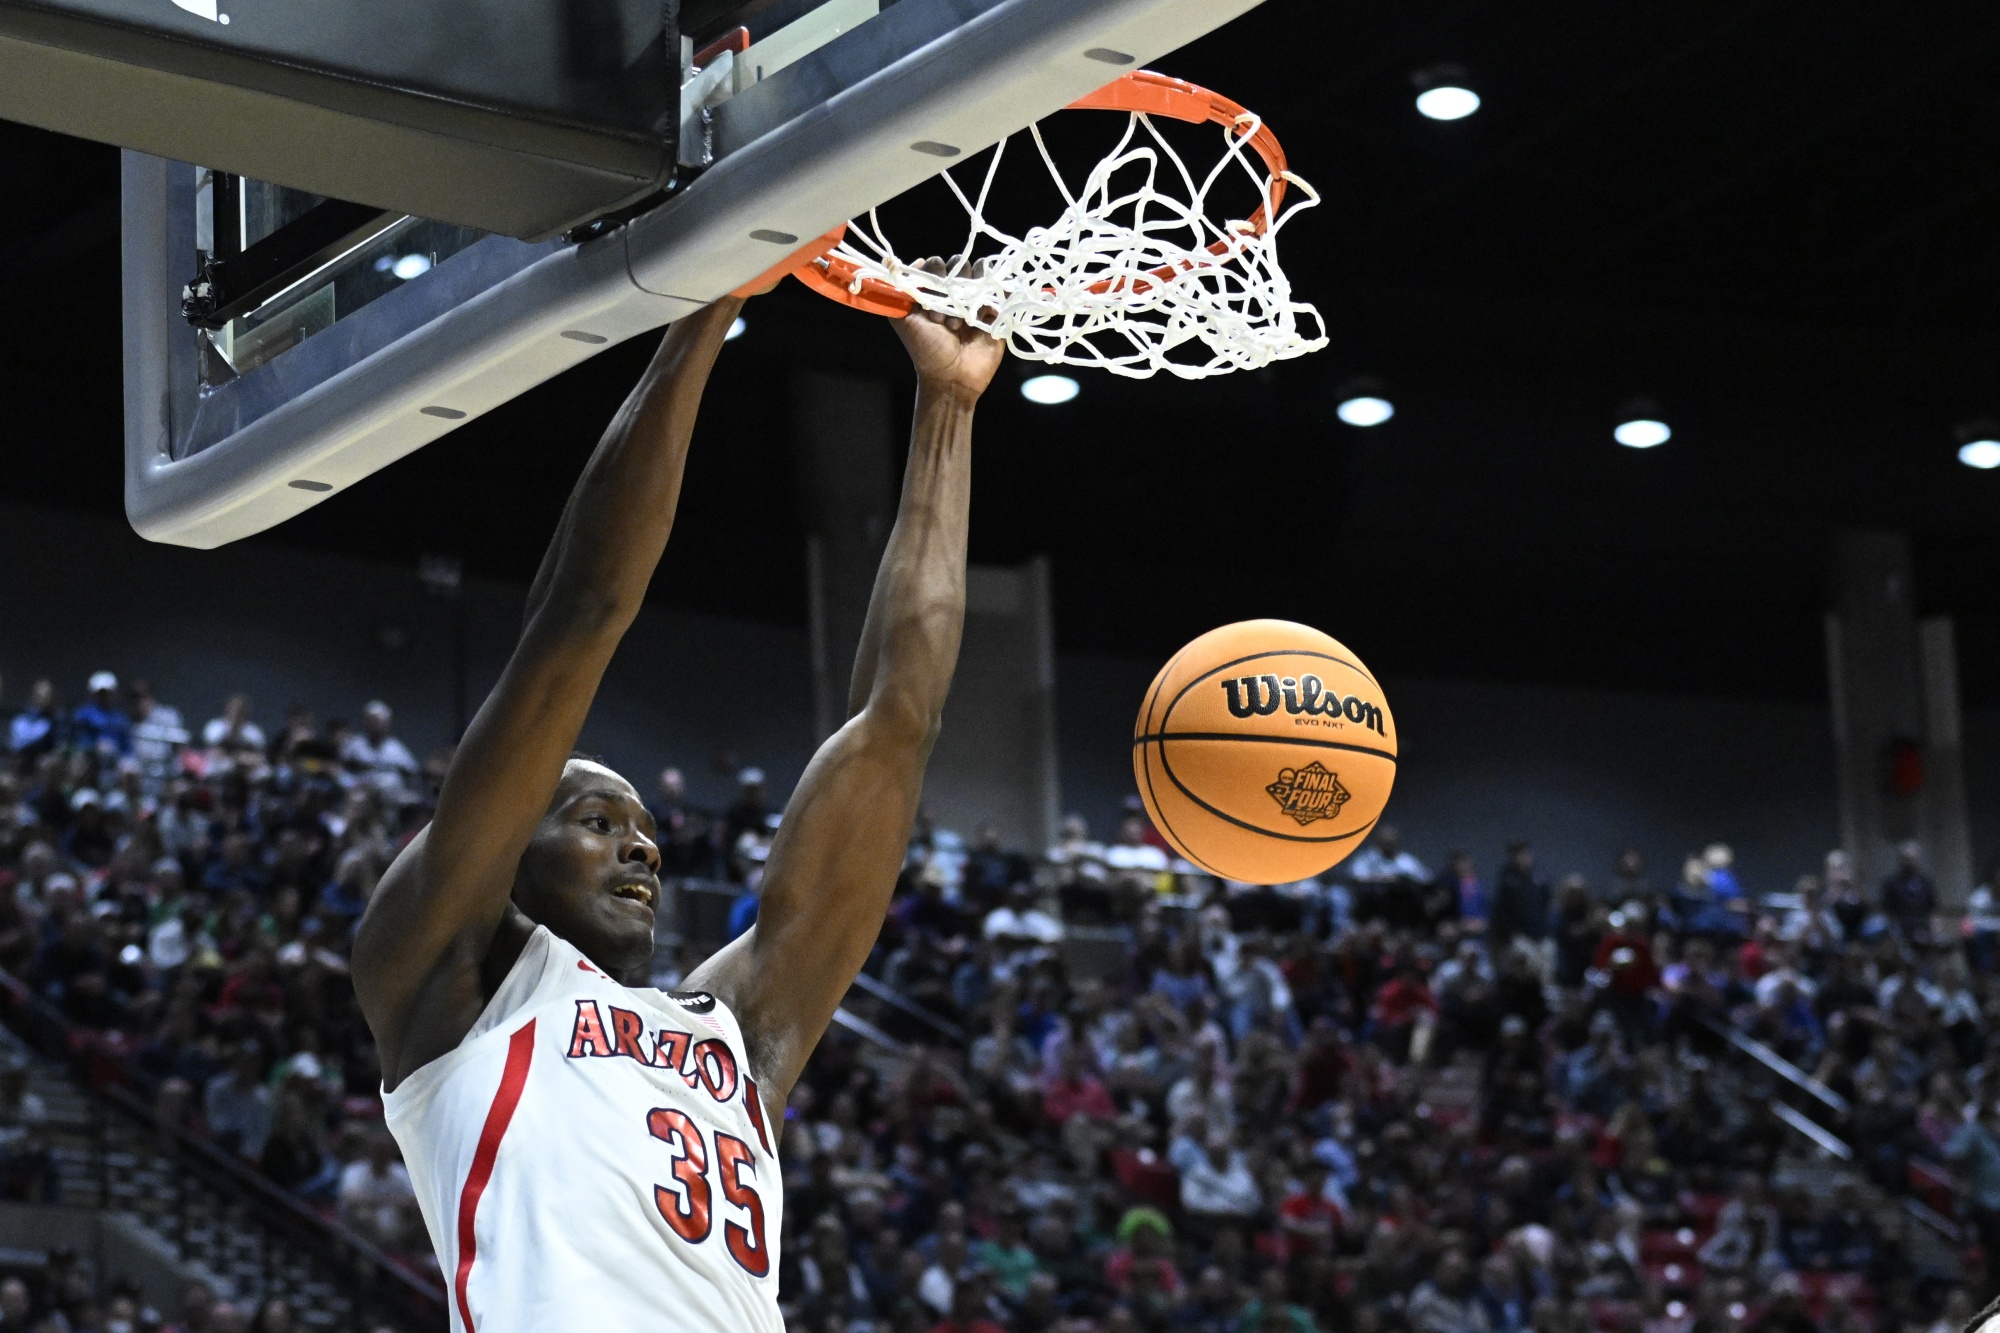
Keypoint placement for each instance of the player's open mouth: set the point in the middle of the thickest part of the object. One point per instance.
(638, 893)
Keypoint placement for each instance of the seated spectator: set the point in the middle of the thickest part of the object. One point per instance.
(376, 758)
(1402, 1005)
(1134, 853)
(233, 737)
(991, 869)
(375, 1195)
(1593, 1076)
(1019, 929)
(295, 1155)
(37, 729)
(99, 723)
(748, 813)
(1449, 1300)
(1217, 1187)
(1145, 1241)
(835, 1287)
(238, 1105)
(1074, 1090)
(1908, 896)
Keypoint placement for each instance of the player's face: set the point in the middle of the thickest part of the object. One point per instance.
(591, 874)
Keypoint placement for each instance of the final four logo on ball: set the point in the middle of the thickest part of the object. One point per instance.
(1308, 794)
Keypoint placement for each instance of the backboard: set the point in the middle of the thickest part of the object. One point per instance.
(262, 378)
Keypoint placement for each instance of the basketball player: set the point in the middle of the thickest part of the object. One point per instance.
(590, 1153)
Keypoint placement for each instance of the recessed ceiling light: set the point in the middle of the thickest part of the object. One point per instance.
(1447, 102)
(1365, 409)
(1048, 390)
(1982, 454)
(736, 330)
(412, 266)
(1641, 425)
(1642, 433)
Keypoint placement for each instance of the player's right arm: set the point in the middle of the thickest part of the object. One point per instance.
(439, 935)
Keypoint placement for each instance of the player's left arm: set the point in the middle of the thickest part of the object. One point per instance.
(838, 850)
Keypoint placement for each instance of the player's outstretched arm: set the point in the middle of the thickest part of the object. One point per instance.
(438, 934)
(840, 845)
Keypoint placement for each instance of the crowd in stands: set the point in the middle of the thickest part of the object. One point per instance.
(1399, 1099)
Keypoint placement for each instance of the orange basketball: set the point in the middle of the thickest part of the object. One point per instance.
(1264, 751)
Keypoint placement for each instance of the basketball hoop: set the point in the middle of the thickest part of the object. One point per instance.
(1132, 278)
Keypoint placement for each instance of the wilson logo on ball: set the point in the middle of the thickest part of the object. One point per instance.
(1306, 696)
(1308, 794)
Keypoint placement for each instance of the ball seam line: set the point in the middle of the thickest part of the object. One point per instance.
(1164, 736)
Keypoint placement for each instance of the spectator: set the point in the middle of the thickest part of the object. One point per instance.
(375, 1195)
(1463, 895)
(377, 758)
(1389, 882)
(237, 1104)
(1520, 900)
(1449, 1301)
(36, 729)
(683, 832)
(233, 737)
(1976, 1145)
(1018, 927)
(158, 735)
(1908, 896)
(16, 1308)
(750, 810)
(99, 723)
(1217, 1187)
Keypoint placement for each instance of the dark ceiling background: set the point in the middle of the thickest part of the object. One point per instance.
(1777, 219)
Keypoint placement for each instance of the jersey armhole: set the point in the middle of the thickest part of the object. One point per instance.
(530, 970)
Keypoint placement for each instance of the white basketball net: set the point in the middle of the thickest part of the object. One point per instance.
(1090, 288)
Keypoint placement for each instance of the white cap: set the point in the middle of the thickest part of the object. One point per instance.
(750, 777)
(85, 796)
(102, 680)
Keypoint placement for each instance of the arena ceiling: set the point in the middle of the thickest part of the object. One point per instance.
(1780, 220)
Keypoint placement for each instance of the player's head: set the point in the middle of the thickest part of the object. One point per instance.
(591, 873)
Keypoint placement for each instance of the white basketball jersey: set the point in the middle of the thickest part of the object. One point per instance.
(595, 1157)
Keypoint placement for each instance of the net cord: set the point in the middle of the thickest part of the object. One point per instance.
(1111, 283)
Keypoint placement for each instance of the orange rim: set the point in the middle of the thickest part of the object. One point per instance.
(1140, 91)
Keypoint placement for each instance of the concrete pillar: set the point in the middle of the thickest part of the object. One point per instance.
(1947, 827)
(843, 437)
(1894, 692)
(995, 760)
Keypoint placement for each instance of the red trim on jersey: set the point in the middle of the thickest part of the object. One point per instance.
(520, 1051)
(754, 1101)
